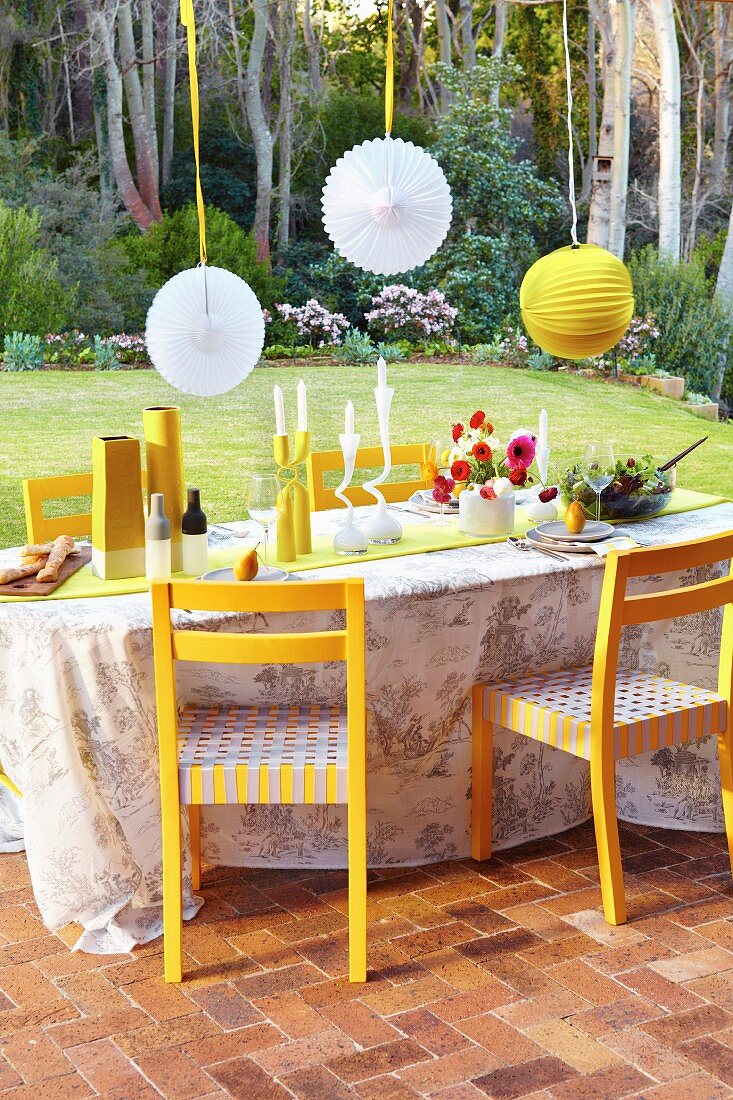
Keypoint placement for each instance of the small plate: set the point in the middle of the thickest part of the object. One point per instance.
(556, 531)
(269, 574)
(560, 547)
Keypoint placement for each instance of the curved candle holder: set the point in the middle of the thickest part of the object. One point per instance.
(294, 525)
(349, 541)
(381, 528)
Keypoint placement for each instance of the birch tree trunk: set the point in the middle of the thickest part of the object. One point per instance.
(169, 90)
(599, 214)
(623, 14)
(442, 21)
(723, 60)
(144, 163)
(148, 67)
(312, 52)
(285, 128)
(100, 22)
(591, 77)
(468, 45)
(497, 47)
(261, 135)
(669, 96)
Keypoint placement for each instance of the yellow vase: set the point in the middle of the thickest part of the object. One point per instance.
(118, 520)
(164, 461)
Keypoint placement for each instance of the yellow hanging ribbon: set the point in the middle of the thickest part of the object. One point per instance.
(188, 21)
(389, 83)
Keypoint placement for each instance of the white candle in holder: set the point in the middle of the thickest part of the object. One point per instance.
(349, 419)
(279, 411)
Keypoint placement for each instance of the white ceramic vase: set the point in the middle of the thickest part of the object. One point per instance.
(484, 518)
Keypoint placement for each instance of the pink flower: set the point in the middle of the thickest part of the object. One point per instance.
(487, 492)
(442, 489)
(520, 452)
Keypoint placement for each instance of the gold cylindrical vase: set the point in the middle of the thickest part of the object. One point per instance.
(164, 460)
(285, 547)
(301, 503)
(118, 520)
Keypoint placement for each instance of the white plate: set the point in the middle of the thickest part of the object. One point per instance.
(560, 547)
(269, 574)
(556, 531)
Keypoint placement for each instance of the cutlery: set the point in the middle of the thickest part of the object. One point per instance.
(523, 545)
(673, 461)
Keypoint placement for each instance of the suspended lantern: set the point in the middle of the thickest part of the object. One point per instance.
(386, 203)
(578, 301)
(205, 330)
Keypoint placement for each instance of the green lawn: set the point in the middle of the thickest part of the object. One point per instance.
(47, 421)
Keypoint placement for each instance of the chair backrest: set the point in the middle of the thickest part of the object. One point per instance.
(321, 462)
(619, 609)
(226, 647)
(37, 490)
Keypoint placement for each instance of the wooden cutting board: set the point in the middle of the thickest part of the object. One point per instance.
(29, 586)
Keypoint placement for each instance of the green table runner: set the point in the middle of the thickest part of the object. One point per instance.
(417, 539)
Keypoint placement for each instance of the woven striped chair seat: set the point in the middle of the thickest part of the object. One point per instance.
(253, 754)
(650, 712)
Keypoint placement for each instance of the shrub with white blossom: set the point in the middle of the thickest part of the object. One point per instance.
(401, 311)
(315, 322)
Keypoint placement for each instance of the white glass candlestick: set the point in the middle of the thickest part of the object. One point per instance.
(381, 528)
(349, 541)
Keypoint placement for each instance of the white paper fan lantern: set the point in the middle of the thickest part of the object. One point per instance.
(387, 205)
(205, 330)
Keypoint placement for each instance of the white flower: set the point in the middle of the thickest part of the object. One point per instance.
(503, 485)
(456, 455)
(494, 442)
(521, 431)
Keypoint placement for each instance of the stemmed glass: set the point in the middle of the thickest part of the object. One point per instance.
(599, 469)
(263, 503)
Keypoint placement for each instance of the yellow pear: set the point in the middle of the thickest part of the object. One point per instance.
(246, 566)
(575, 517)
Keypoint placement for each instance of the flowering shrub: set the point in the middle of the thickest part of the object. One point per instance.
(66, 347)
(129, 348)
(512, 347)
(401, 311)
(315, 322)
(478, 456)
(639, 338)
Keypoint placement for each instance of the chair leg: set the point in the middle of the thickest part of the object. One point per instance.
(357, 825)
(482, 743)
(603, 794)
(194, 829)
(172, 891)
(725, 760)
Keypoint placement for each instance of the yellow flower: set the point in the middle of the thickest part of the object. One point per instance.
(428, 471)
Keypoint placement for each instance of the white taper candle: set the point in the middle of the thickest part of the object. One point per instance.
(279, 411)
(381, 373)
(349, 419)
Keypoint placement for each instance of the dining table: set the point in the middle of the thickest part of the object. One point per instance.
(78, 722)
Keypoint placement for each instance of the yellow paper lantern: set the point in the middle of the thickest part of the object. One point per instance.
(577, 302)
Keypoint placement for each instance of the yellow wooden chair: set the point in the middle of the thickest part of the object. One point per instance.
(37, 490)
(304, 755)
(321, 462)
(603, 713)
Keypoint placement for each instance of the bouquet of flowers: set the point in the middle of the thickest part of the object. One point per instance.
(479, 457)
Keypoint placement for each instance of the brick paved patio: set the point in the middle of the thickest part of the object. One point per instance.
(496, 980)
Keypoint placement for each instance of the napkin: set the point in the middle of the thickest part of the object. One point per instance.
(618, 542)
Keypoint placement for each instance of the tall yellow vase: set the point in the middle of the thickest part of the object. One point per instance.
(118, 520)
(164, 460)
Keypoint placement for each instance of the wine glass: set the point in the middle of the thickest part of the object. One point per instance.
(599, 469)
(263, 503)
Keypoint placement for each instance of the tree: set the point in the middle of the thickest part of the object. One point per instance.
(669, 188)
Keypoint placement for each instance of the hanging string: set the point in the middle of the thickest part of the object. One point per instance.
(571, 168)
(389, 81)
(188, 21)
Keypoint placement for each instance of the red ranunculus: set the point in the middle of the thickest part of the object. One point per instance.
(442, 489)
(488, 427)
(548, 494)
(477, 419)
(487, 492)
(460, 470)
(481, 451)
(457, 432)
(518, 476)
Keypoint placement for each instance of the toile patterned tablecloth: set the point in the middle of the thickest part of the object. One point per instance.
(77, 726)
